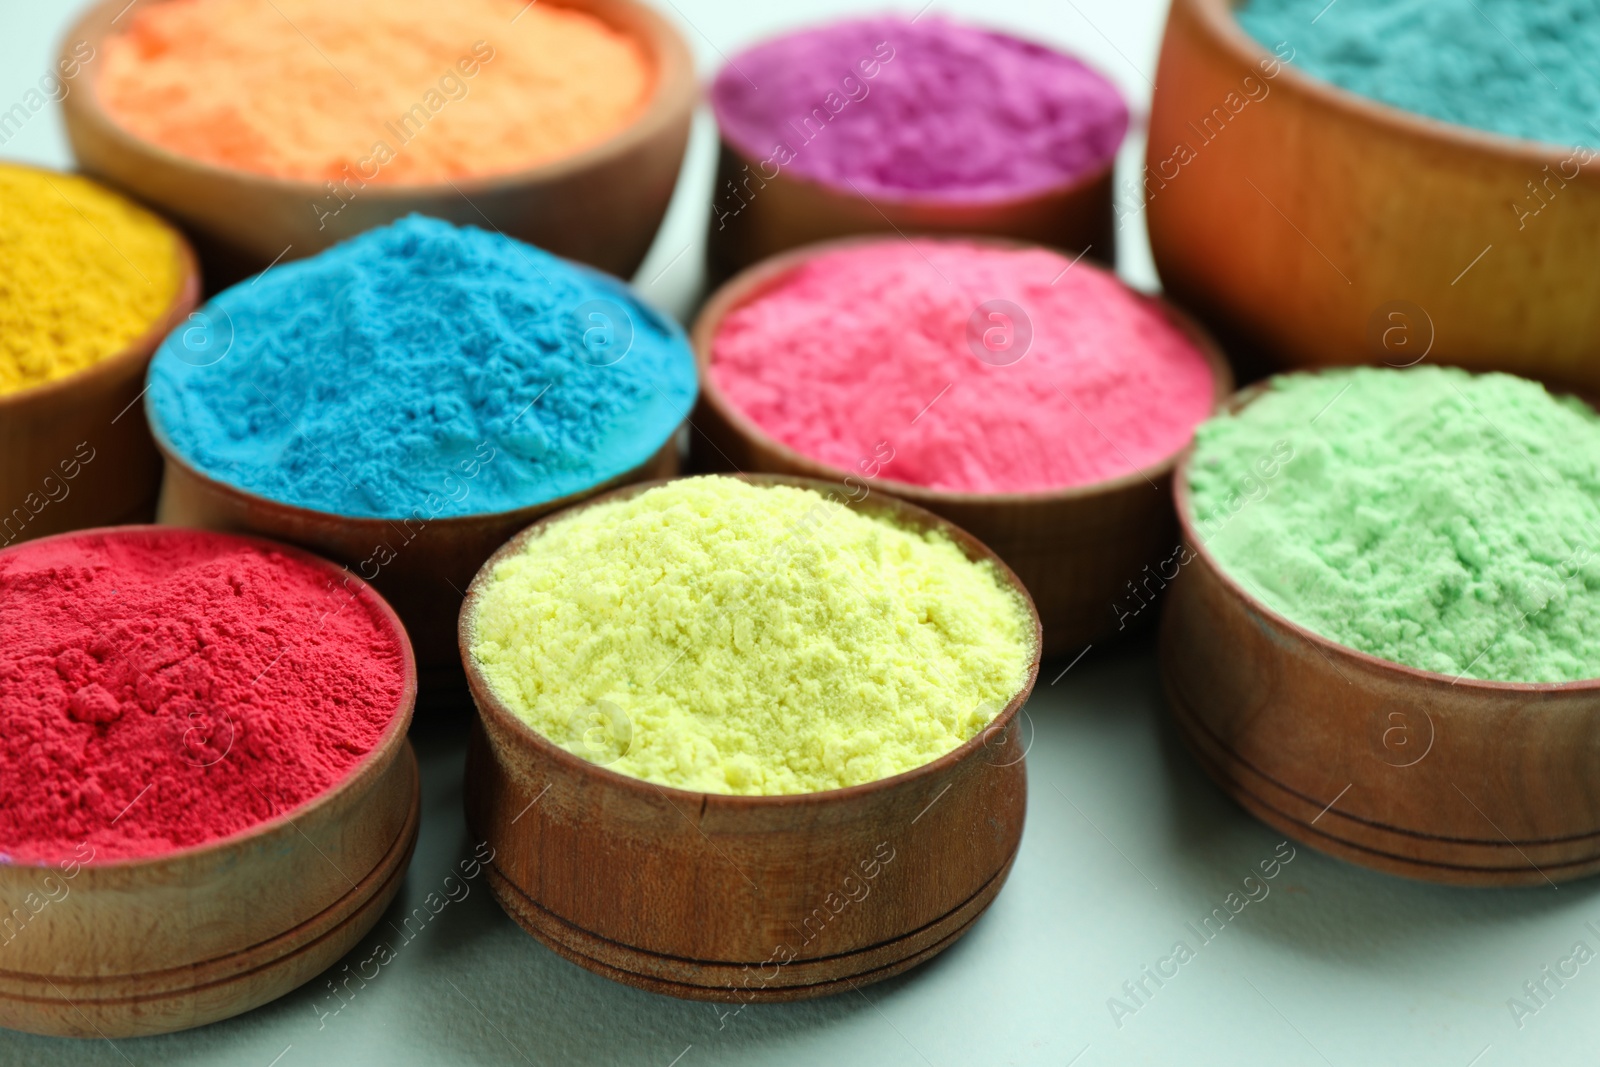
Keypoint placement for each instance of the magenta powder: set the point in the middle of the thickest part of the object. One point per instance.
(930, 109)
(874, 350)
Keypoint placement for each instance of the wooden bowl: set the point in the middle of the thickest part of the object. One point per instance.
(601, 206)
(422, 567)
(1076, 549)
(1320, 227)
(72, 452)
(789, 211)
(149, 946)
(1402, 770)
(737, 898)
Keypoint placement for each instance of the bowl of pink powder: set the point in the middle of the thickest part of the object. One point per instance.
(1032, 399)
(206, 791)
(921, 125)
(273, 129)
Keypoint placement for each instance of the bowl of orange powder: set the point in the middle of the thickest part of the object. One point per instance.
(274, 128)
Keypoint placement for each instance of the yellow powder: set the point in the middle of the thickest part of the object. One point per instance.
(83, 273)
(372, 91)
(727, 638)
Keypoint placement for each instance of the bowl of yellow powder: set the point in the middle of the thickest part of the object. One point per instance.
(1384, 636)
(275, 128)
(747, 738)
(89, 284)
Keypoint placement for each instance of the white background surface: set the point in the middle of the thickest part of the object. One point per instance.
(1126, 842)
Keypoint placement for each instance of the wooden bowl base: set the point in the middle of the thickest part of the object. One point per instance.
(1383, 847)
(159, 1002)
(741, 983)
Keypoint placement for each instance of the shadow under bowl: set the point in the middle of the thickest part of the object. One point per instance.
(743, 898)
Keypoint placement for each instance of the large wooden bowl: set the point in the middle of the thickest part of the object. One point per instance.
(422, 565)
(737, 898)
(1076, 549)
(74, 452)
(1320, 227)
(149, 946)
(789, 211)
(601, 206)
(1402, 770)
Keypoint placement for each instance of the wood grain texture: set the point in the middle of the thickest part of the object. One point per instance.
(601, 206)
(1402, 770)
(753, 219)
(149, 946)
(1304, 220)
(92, 413)
(734, 898)
(1076, 550)
(420, 565)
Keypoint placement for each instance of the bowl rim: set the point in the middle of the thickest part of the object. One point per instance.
(490, 706)
(1220, 20)
(383, 751)
(756, 280)
(1327, 646)
(671, 98)
(185, 298)
(922, 199)
(250, 498)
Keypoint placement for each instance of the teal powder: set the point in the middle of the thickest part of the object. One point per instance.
(1524, 68)
(1430, 517)
(422, 367)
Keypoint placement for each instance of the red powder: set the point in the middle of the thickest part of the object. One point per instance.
(161, 688)
(922, 350)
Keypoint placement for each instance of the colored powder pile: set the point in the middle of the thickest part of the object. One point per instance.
(1429, 517)
(390, 91)
(1508, 66)
(422, 367)
(890, 357)
(162, 688)
(730, 638)
(930, 108)
(83, 274)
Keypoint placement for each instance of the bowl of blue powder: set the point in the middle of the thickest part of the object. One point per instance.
(1382, 181)
(408, 399)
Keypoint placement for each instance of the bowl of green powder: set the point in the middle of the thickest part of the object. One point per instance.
(1384, 638)
(1373, 181)
(747, 738)
(407, 400)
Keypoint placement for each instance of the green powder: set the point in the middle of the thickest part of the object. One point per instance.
(1430, 517)
(724, 637)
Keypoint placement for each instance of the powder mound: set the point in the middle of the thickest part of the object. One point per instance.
(932, 107)
(382, 91)
(1430, 517)
(163, 688)
(422, 370)
(865, 359)
(83, 274)
(728, 638)
(1488, 64)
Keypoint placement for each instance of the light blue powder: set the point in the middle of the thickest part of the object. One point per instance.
(422, 367)
(1525, 68)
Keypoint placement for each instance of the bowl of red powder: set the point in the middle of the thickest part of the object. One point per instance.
(275, 128)
(1032, 399)
(920, 125)
(208, 795)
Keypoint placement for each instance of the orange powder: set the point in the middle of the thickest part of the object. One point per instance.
(390, 91)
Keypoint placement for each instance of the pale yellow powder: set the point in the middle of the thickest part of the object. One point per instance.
(717, 636)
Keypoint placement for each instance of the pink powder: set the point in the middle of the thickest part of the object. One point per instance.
(881, 342)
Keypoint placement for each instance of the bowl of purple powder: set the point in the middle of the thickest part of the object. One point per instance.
(888, 123)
